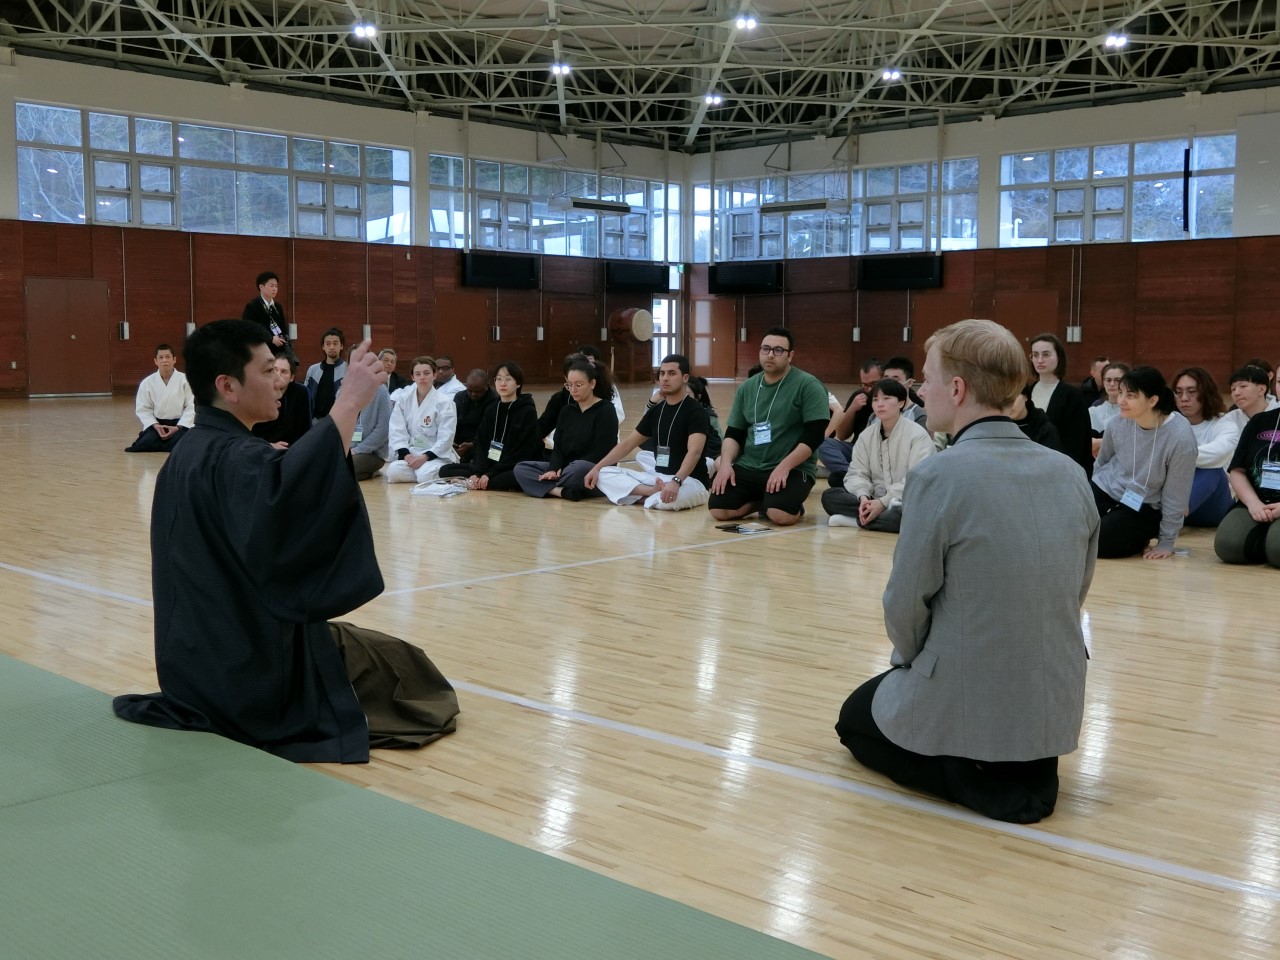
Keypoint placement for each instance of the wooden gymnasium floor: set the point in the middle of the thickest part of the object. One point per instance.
(653, 699)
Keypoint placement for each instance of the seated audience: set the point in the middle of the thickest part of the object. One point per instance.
(253, 551)
(421, 434)
(324, 379)
(1091, 387)
(1061, 402)
(445, 381)
(371, 442)
(165, 406)
(980, 702)
(1107, 407)
(1200, 402)
(872, 494)
(473, 401)
(1265, 364)
(295, 405)
(844, 428)
(678, 425)
(1249, 533)
(904, 371)
(1249, 394)
(592, 353)
(711, 452)
(395, 381)
(586, 430)
(508, 435)
(1142, 480)
(1033, 423)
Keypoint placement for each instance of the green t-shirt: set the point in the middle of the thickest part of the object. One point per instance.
(786, 406)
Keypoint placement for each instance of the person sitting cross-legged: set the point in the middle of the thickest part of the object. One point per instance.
(885, 452)
(508, 435)
(422, 422)
(1249, 532)
(586, 430)
(165, 406)
(679, 425)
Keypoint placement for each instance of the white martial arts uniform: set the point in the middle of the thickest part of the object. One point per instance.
(421, 428)
(158, 400)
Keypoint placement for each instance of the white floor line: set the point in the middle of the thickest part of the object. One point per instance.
(75, 585)
(556, 567)
(1085, 848)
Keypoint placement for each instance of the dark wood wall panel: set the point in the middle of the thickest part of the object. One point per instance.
(130, 359)
(223, 271)
(881, 316)
(1107, 294)
(1183, 295)
(823, 325)
(823, 273)
(330, 290)
(13, 325)
(56, 250)
(570, 275)
(757, 314)
(1257, 319)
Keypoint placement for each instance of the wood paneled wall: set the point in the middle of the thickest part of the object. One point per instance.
(1213, 303)
(1210, 302)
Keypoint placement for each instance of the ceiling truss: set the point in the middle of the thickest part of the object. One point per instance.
(641, 69)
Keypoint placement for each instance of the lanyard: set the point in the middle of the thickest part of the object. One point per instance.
(1151, 463)
(755, 406)
(506, 423)
(658, 431)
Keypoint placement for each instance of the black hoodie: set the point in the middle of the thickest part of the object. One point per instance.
(515, 426)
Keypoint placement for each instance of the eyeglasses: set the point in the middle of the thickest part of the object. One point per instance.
(776, 351)
(504, 379)
(1187, 392)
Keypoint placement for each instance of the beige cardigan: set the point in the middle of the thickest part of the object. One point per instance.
(878, 467)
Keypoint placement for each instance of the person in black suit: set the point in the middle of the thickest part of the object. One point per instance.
(395, 381)
(1062, 403)
(265, 310)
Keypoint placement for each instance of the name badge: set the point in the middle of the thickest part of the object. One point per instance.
(1271, 476)
(1132, 499)
(662, 457)
(762, 433)
(418, 441)
(495, 451)
(275, 329)
(357, 436)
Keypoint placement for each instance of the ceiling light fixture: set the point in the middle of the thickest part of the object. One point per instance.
(713, 99)
(891, 74)
(746, 21)
(561, 69)
(365, 31)
(1115, 41)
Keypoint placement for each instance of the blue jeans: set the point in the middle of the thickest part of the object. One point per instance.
(1210, 498)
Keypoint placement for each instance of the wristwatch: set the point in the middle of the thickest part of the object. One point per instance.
(675, 480)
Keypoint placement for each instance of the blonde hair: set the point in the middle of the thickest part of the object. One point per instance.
(986, 356)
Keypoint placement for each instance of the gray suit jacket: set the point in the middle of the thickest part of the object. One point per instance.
(983, 605)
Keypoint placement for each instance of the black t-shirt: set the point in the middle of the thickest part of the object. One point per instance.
(1259, 444)
(670, 425)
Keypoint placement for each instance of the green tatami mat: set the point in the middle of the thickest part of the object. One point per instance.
(120, 841)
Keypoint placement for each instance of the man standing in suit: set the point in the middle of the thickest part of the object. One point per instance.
(991, 570)
(265, 310)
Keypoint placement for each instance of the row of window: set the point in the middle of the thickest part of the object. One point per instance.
(85, 166)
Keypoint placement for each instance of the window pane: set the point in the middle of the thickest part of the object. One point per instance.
(155, 137)
(878, 214)
(517, 238)
(50, 185)
(911, 212)
(308, 155)
(805, 188)
(1211, 153)
(1161, 156)
(346, 196)
(346, 226)
(580, 184)
(261, 150)
(1111, 161)
(610, 188)
(1109, 227)
(377, 163)
(913, 178)
(111, 174)
(111, 209)
(635, 192)
(311, 193)
(49, 125)
(387, 216)
(1067, 230)
(1068, 201)
(1071, 164)
(488, 208)
(446, 171)
(545, 182)
(1108, 198)
(1024, 218)
(878, 240)
(960, 174)
(518, 211)
(1157, 209)
(310, 223)
(881, 181)
(446, 218)
(1212, 206)
(959, 229)
(344, 159)
(262, 204)
(400, 165)
(488, 175)
(515, 178)
(206, 143)
(208, 198)
(155, 178)
(109, 131)
(911, 238)
(157, 213)
(1024, 168)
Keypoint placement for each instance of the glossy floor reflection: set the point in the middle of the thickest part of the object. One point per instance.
(653, 699)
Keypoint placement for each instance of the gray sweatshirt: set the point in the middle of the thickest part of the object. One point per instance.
(1159, 463)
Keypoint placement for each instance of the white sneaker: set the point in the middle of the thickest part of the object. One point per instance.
(840, 520)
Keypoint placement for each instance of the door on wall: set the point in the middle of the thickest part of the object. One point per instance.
(571, 322)
(713, 341)
(68, 342)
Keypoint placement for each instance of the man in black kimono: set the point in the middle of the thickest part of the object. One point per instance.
(253, 550)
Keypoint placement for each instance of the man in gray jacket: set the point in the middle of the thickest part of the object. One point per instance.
(993, 564)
